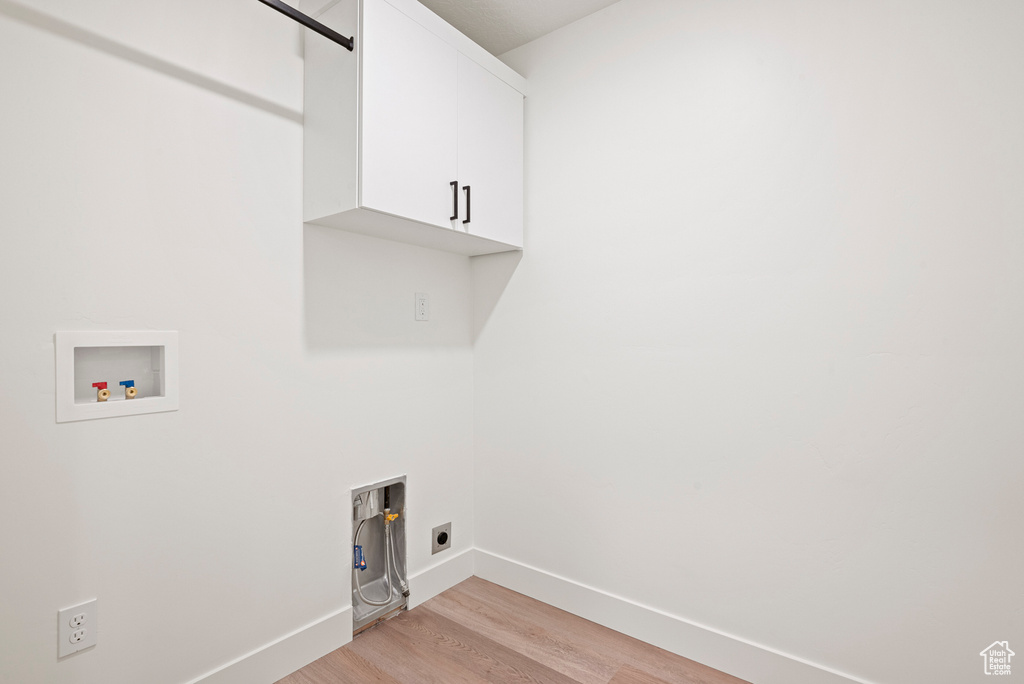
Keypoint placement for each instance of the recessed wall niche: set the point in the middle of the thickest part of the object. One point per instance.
(104, 374)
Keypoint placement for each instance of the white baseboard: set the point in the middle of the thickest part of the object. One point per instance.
(280, 658)
(738, 657)
(294, 651)
(426, 584)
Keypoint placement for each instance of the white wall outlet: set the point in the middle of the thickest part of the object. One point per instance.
(422, 306)
(76, 628)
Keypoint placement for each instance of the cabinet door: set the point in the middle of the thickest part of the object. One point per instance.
(490, 154)
(409, 117)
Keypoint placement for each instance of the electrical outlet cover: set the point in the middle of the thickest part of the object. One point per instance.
(422, 306)
(441, 538)
(76, 628)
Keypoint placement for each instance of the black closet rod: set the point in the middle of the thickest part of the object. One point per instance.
(310, 23)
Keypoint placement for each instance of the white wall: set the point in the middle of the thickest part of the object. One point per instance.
(760, 366)
(765, 335)
(150, 175)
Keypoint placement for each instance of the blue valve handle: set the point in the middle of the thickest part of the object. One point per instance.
(127, 383)
(360, 560)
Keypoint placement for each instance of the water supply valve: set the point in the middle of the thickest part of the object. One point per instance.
(102, 393)
(360, 560)
(129, 388)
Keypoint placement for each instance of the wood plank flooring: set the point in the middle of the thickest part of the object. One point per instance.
(478, 632)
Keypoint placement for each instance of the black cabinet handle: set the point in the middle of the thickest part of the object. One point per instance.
(469, 204)
(455, 199)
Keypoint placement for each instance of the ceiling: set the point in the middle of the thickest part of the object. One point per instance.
(500, 25)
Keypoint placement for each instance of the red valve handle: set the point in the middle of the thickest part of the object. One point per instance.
(100, 385)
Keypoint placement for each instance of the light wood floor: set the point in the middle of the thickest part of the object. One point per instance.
(480, 632)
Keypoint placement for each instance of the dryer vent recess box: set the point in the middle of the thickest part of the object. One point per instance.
(145, 360)
(416, 136)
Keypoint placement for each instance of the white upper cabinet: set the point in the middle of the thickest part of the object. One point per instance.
(410, 112)
(415, 136)
(490, 154)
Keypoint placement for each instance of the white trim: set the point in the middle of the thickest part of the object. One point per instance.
(294, 651)
(731, 654)
(280, 658)
(426, 584)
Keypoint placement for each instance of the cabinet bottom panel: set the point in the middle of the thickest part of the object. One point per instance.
(389, 227)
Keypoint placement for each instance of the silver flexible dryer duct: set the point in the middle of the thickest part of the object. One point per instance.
(394, 563)
(387, 572)
(390, 562)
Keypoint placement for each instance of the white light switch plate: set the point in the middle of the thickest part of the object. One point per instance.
(76, 628)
